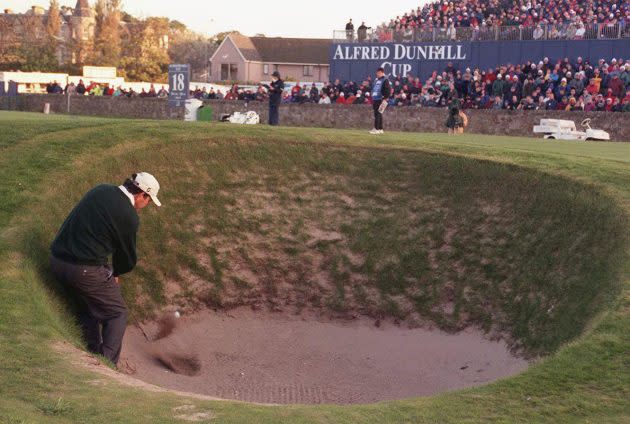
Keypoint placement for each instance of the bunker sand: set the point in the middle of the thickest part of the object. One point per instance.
(280, 358)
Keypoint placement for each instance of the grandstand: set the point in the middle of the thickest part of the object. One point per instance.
(523, 54)
(502, 20)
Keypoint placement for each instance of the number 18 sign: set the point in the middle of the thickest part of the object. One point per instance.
(179, 82)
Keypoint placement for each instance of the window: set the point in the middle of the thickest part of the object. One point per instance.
(229, 71)
(308, 70)
(265, 69)
(275, 68)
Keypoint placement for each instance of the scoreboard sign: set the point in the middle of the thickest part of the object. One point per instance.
(179, 84)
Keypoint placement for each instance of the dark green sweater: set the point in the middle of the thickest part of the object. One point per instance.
(103, 223)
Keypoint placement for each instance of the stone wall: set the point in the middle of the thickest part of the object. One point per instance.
(142, 108)
(515, 123)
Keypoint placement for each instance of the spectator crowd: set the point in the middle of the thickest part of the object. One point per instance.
(546, 85)
(541, 19)
(95, 89)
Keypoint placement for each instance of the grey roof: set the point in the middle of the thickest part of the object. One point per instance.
(283, 50)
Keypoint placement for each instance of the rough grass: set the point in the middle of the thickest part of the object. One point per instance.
(412, 230)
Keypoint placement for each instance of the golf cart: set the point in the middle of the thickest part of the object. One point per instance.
(560, 129)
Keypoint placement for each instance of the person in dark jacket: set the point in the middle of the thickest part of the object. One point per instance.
(362, 32)
(350, 31)
(381, 90)
(103, 223)
(276, 88)
(81, 88)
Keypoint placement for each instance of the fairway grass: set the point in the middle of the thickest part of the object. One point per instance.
(46, 163)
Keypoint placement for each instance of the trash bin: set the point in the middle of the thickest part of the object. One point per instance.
(46, 108)
(204, 114)
(191, 107)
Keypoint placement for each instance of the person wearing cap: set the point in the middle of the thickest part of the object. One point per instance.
(104, 223)
(276, 88)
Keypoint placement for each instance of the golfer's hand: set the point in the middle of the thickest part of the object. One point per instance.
(116, 280)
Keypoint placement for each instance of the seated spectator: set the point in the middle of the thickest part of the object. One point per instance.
(529, 104)
(498, 103)
(550, 102)
(324, 99)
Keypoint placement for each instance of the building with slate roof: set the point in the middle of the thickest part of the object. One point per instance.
(252, 59)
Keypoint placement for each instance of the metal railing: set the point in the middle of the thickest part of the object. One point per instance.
(568, 31)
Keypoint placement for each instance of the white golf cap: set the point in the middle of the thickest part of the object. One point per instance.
(147, 183)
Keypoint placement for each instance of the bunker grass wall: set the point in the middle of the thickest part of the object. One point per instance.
(513, 123)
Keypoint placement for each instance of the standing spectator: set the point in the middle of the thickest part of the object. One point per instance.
(617, 86)
(81, 88)
(497, 86)
(275, 97)
(313, 94)
(70, 89)
(362, 32)
(350, 31)
(162, 94)
(295, 91)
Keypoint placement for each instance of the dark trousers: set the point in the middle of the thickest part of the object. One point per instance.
(378, 116)
(103, 313)
(274, 109)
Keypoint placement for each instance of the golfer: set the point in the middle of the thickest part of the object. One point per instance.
(381, 90)
(103, 223)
